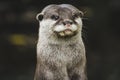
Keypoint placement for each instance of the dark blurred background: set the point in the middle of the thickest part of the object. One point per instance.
(19, 33)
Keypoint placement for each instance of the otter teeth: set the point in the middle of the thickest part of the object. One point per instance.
(65, 33)
(61, 34)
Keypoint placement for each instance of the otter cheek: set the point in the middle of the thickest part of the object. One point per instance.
(47, 23)
(59, 28)
(74, 27)
(79, 21)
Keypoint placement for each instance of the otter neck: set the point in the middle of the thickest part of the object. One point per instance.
(60, 41)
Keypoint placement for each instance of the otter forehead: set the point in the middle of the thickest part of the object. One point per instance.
(63, 10)
(54, 7)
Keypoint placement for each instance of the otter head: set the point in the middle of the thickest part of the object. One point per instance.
(60, 20)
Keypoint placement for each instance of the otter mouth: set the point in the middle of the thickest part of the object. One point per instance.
(66, 33)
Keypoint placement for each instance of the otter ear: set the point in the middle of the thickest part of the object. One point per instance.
(39, 16)
(81, 13)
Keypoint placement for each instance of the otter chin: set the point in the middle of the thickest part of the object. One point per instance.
(66, 33)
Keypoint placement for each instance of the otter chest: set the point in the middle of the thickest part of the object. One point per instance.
(68, 55)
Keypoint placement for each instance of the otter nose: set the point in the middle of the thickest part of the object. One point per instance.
(68, 22)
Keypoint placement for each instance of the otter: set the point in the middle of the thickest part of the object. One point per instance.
(60, 48)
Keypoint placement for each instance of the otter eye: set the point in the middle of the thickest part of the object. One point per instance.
(75, 16)
(54, 17)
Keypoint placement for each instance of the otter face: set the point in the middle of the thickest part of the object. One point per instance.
(61, 20)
